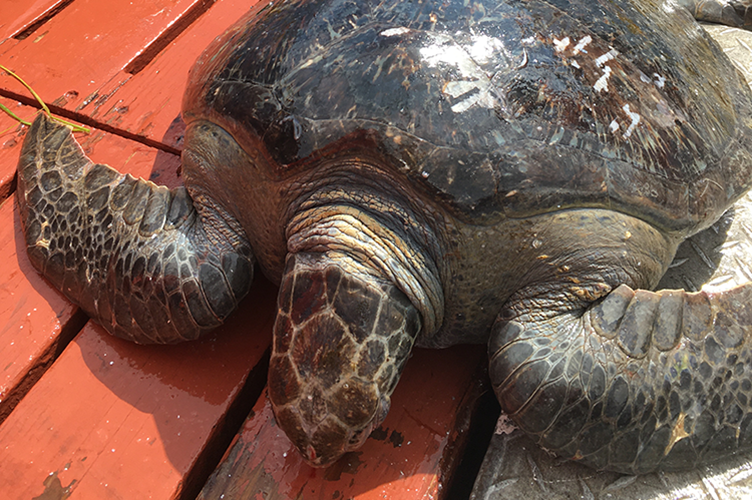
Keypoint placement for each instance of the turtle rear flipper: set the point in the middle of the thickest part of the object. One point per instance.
(140, 259)
(735, 13)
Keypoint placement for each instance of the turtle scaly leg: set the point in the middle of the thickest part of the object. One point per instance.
(144, 261)
(618, 377)
(352, 301)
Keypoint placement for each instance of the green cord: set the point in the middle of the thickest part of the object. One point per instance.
(77, 128)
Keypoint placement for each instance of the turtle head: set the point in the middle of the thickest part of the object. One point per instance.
(353, 299)
(340, 342)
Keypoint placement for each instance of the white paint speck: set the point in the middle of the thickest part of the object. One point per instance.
(561, 45)
(602, 83)
(635, 120)
(466, 59)
(456, 89)
(395, 31)
(580, 47)
(606, 57)
(659, 80)
(613, 126)
(528, 41)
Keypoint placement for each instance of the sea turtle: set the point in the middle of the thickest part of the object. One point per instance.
(517, 172)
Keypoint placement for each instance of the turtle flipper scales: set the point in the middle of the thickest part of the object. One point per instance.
(737, 13)
(606, 372)
(140, 259)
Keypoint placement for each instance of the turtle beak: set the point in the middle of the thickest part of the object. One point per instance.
(323, 444)
(332, 451)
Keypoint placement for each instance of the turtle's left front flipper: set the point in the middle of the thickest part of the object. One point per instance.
(148, 263)
(737, 13)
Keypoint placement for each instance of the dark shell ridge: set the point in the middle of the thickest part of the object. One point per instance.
(500, 108)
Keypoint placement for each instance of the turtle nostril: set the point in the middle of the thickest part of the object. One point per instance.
(311, 453)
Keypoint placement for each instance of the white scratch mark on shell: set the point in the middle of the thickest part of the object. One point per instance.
(635, 120)
(600, 61)
(602, 83)
(580, 47)
(395, 31)
(466, 59)
(561, 45)
(457, 88)
(482, 98)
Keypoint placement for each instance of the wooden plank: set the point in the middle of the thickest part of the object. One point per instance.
(33, 317)
(144, 104)
(36, 319)
(80, 81)
(410, 456)
(88, 43)
(131, 103)
(17, 16)
(114, 420)
(10, 138)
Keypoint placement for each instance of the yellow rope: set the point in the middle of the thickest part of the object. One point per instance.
(76, 128)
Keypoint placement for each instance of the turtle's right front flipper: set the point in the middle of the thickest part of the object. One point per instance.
(144, 261)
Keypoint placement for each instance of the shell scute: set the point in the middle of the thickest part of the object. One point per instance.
(499, 108)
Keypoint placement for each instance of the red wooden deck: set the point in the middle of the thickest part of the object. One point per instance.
(87, 416)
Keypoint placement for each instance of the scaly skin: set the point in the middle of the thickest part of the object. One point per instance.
(624, 380)
(144, 261)
(729, 12)
(341, 340)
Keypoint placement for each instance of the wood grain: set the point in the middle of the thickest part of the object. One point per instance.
(112, 419)
(410, 456)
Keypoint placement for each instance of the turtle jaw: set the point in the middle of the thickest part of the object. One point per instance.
(325, 443)
(341, 339)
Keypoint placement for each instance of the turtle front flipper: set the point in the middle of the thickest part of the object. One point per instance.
(142, 260)
(354, 296)
(737, 13)
(624, 380)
